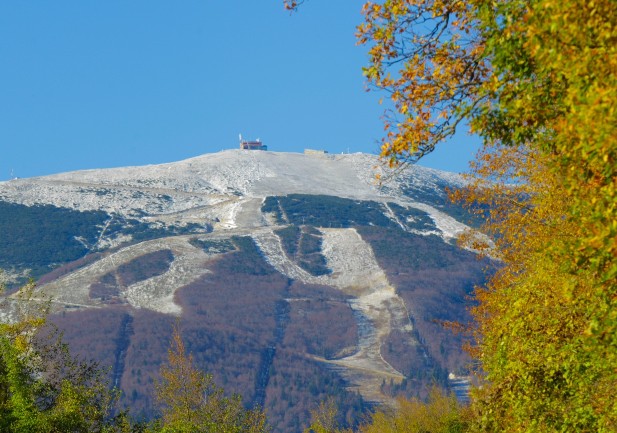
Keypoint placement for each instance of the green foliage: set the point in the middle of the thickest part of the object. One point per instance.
(63, 235)
(248, 259)
(440, 414)
(538, 81)
(192, 403)
(146, 266)
(42, 387)
(410, 252)
(550, 344)
(213, 246)
(52, 230)
(290, 238)
(271, 205)
(141, 268)
(324, 418)
(328, 211)
(140, 231)
(412, 218)
(436, 193)
(303, 244)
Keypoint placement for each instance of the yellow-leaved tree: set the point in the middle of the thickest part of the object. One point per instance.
(440, 414)
(537, 80)
(43, 388)
(190, 401)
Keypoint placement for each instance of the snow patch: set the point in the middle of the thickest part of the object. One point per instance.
(376, 306)
(154, 293)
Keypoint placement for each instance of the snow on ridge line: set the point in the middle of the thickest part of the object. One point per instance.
(206, 179)
(232, 156)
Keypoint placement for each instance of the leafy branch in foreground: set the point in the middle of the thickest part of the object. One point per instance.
(537, 80)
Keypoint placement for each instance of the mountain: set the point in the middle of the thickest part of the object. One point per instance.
(294, 276)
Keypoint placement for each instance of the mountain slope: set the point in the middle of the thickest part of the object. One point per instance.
(294, 275)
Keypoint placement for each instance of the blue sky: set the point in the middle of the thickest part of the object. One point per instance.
(93, 84)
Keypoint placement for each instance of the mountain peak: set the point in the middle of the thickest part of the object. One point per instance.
(171, 187)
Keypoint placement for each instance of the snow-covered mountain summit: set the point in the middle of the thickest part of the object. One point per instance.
(159, 190)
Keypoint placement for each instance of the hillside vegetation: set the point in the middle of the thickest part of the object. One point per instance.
(298, 281)
(537, 80)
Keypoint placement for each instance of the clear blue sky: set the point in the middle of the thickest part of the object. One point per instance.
(93, 84)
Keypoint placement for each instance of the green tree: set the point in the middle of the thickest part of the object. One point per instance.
(42, 387)
(440, 414)
(538, 81)
(324, 419)
(190, 401)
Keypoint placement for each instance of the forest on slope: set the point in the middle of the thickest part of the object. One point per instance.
(537, 80)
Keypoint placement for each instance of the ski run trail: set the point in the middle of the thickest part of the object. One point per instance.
(229, 188)
(376, 306)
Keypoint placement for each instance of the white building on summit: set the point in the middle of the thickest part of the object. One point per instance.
(252, 144)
